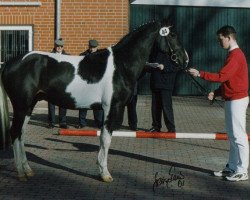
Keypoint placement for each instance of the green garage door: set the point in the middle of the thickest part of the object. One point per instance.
(197, 28)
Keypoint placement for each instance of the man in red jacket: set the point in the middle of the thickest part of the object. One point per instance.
(233, 77)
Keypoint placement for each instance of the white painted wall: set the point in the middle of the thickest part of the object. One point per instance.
(203, 3)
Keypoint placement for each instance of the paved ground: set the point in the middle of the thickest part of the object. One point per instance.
(65, 166)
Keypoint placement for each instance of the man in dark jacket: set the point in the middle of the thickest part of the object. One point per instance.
(162, 82)
(59, 43)
(98, 114)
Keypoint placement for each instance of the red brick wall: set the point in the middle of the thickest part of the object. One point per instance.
(104, 20)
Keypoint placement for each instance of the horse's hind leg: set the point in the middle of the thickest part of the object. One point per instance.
(27, 170)
(17, 134)
(105, 141)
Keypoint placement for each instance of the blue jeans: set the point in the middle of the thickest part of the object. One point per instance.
(52, 117)
(98, 116)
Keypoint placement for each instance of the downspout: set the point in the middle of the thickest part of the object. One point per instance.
(58, 19)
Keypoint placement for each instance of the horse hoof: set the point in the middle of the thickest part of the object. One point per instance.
(30, 174)
(22, 178)
(107, 179)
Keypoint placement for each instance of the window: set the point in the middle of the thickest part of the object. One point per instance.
(14, 41)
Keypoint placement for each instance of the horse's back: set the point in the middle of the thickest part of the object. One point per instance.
(64, 80)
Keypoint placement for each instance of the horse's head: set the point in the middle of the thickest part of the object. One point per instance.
(168, 42)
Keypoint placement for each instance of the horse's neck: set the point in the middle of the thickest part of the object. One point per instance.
(135, 53)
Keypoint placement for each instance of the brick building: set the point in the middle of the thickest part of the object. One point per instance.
(31, 24)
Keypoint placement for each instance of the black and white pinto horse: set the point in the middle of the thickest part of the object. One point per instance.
(104, 79)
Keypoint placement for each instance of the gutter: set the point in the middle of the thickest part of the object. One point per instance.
(58, 19)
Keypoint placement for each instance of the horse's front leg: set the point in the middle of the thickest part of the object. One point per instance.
(105, 141)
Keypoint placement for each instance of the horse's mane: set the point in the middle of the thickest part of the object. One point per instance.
(139, 30)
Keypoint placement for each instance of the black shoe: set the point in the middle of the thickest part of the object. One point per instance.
(80, 126)
(50, 126)
(133, 128)
(64, 126)
(153, 129)
(98, 125)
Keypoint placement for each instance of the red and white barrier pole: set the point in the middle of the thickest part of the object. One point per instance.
(142, 134)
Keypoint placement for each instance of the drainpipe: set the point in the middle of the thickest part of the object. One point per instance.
(58, 19)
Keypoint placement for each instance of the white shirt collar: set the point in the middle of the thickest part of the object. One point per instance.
(234, 46)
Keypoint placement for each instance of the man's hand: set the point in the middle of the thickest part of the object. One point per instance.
(194, 72)
(210, 96)
(161, 66)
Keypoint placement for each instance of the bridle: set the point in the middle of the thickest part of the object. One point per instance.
(174, 57)
(164, 31)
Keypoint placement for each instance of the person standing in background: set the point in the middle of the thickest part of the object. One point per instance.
(98, 114)
(59, 49)
(162, 80)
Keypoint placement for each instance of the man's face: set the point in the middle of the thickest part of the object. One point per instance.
(59, 49)
(92, 49)
(224, 41)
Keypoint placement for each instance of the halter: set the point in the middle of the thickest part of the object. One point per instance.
(164, 32)
(173, 55)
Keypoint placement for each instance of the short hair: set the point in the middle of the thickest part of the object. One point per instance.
(227, 31)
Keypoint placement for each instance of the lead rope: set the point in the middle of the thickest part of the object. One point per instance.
(203, 90)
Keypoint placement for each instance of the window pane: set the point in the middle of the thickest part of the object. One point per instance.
(13, 43)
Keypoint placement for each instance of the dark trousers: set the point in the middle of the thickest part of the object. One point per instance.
(52, 117)
(162, 102)
(132, 115)
(98, 116)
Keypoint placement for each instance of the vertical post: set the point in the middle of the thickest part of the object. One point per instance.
(58, 19)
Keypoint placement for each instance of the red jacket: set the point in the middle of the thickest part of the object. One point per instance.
(233, 76)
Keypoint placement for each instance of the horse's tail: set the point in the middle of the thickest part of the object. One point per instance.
(4, 117)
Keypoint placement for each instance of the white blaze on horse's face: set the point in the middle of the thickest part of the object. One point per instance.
(164, 31)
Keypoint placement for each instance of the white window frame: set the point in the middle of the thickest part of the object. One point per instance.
(21, 28)
(20, 3)
(198, 3)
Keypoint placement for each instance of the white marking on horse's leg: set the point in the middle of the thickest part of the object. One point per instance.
(18, 160)
(28, 171)
(105, 141)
